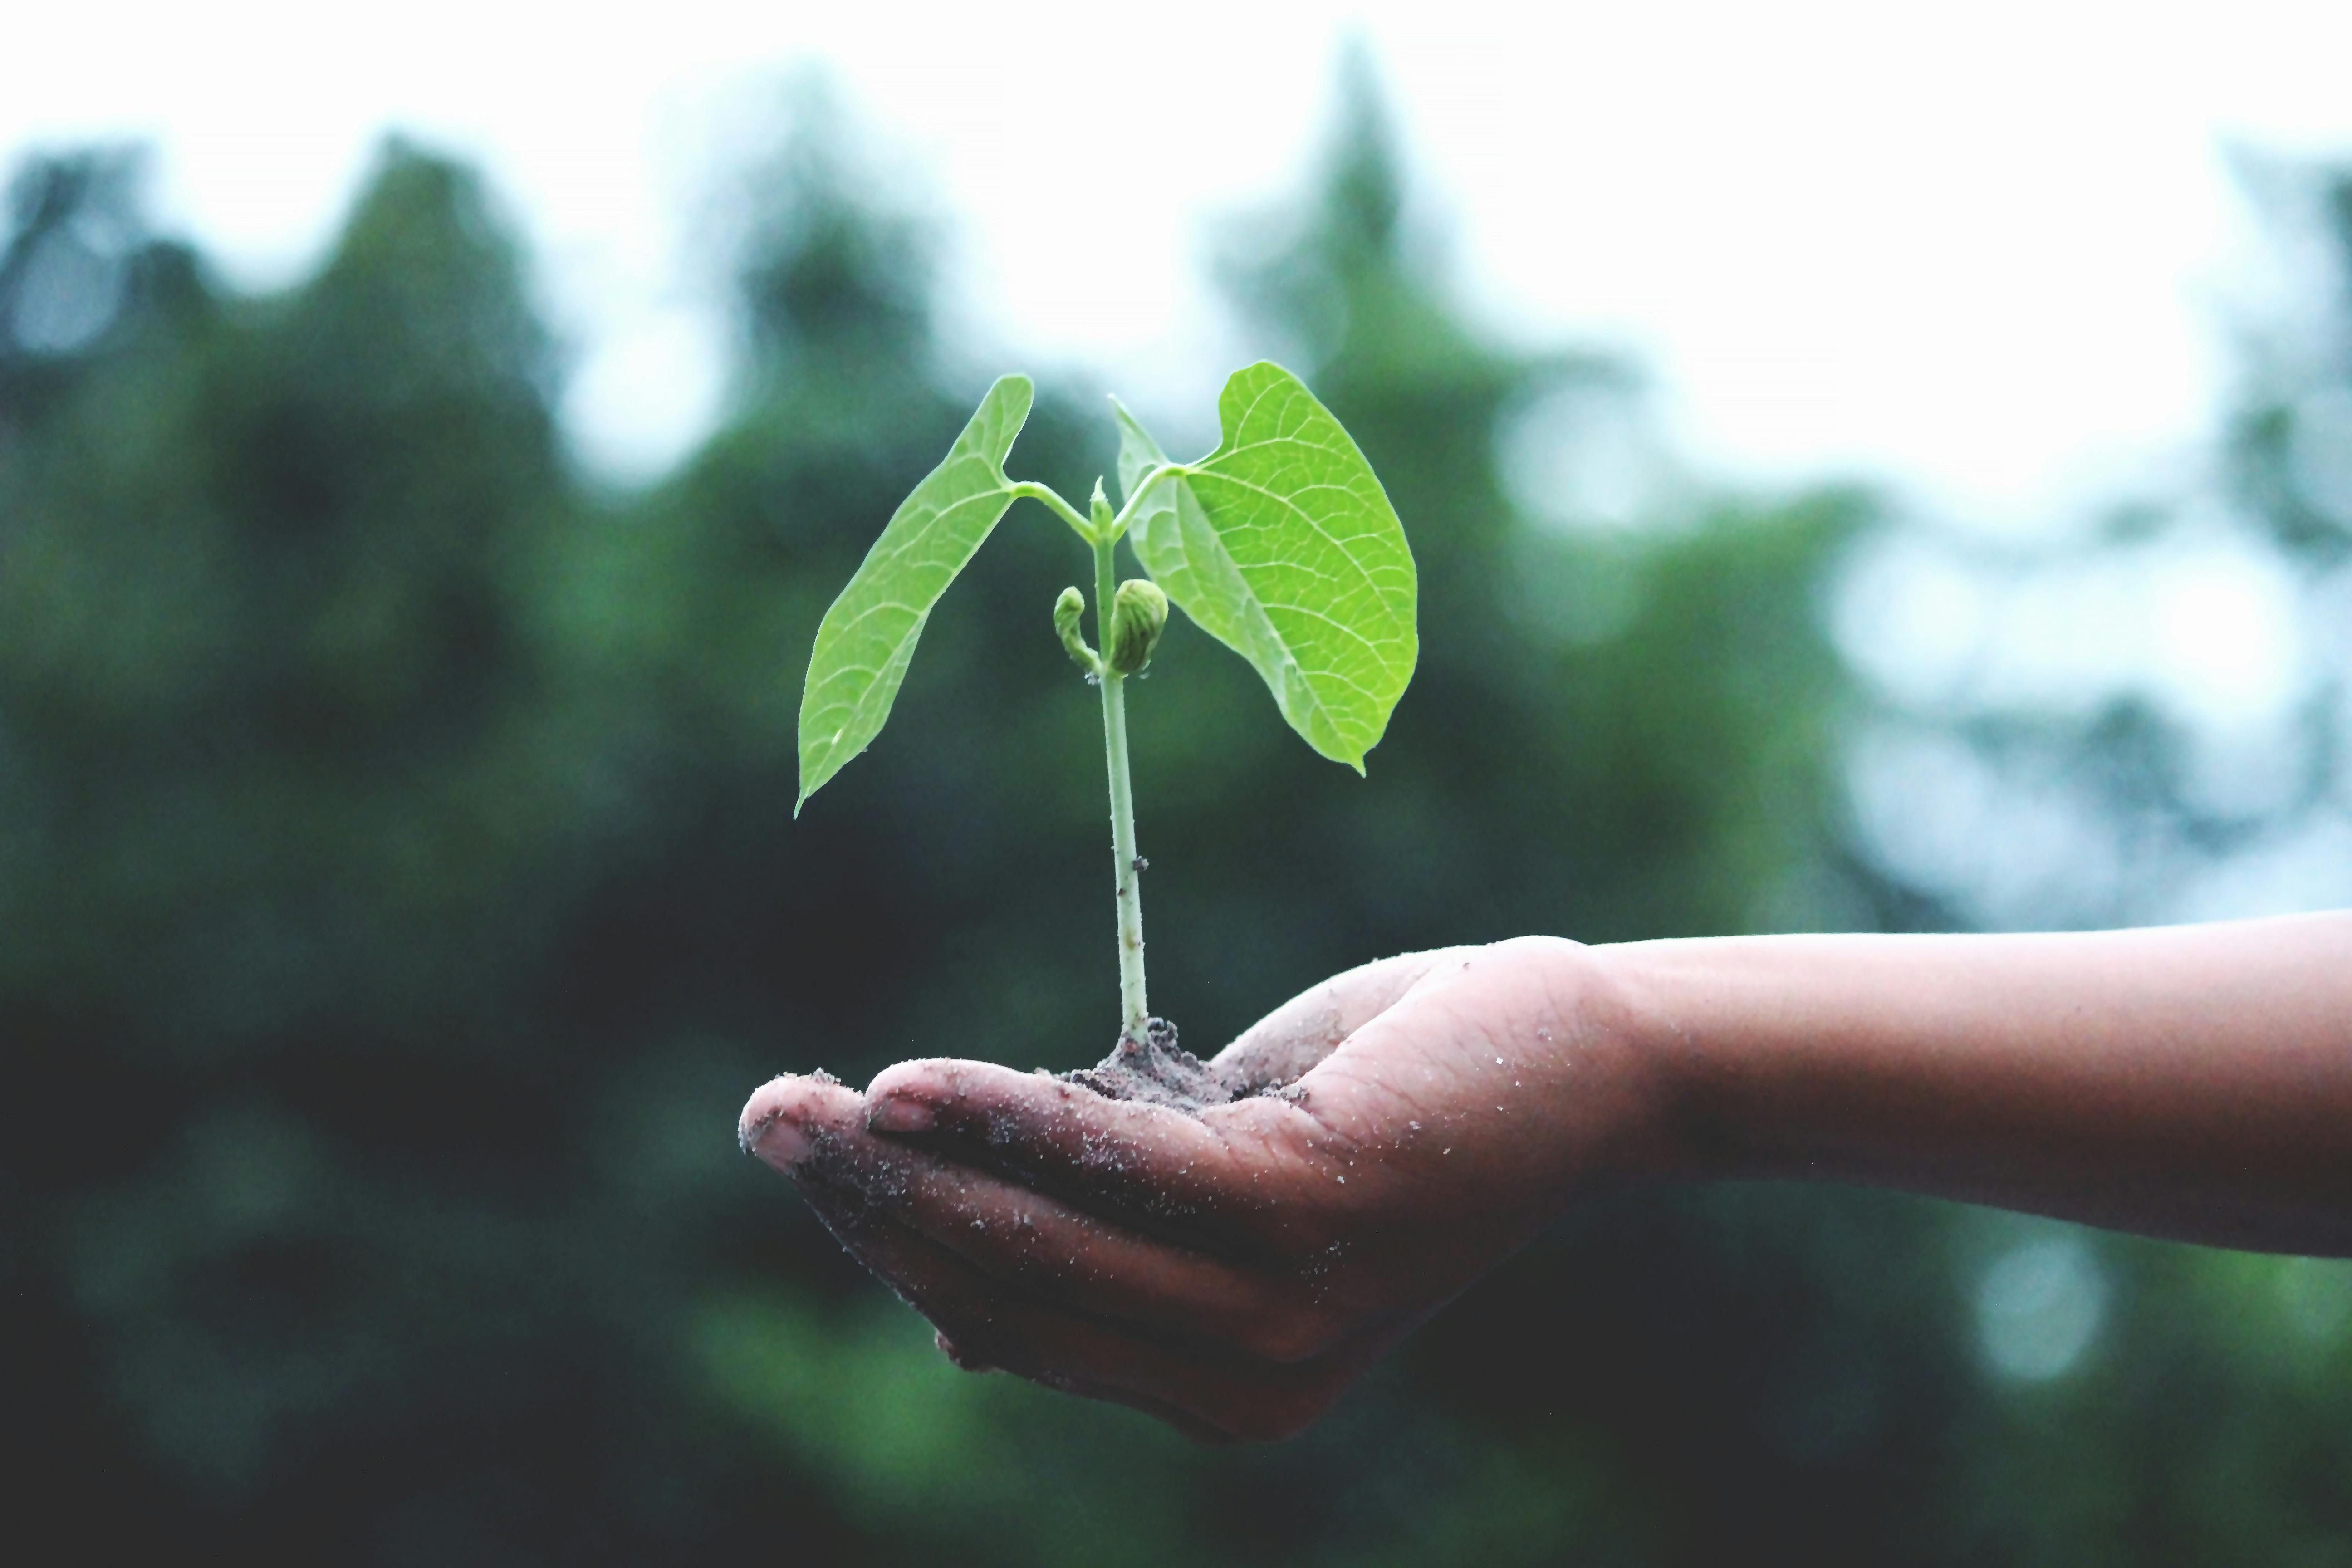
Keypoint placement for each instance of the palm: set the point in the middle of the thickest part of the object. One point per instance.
(1232, 1270)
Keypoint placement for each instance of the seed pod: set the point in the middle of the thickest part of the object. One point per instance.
(1139, 614)
(1067, 610)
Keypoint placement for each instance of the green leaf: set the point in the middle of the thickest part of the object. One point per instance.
(1138, 454)
(1282, 545)
(867, 638)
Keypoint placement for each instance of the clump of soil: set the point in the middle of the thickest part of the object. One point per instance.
(1156, 1071)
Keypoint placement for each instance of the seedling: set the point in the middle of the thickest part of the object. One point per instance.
(1280, 544)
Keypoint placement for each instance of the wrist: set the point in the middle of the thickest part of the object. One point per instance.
(1621, 1079)
(1645, 998)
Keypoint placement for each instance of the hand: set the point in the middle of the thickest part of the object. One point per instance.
(1232, 1272)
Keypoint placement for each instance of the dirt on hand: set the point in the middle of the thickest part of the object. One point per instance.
(1156, 1071)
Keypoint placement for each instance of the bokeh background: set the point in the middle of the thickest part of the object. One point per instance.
(401, 892)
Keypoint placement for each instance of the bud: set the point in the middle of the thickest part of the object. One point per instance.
(1067, 610)
(1138, 613)
(1099, 507)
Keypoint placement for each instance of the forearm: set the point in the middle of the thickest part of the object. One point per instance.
(2193, 1082)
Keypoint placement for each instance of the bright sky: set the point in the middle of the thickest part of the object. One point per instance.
(1989, 251)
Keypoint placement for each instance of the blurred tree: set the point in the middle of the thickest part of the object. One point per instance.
(289, 828)
(2145, 1402)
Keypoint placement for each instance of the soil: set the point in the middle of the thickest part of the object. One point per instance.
(1156, 1071)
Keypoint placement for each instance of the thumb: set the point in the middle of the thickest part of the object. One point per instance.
(1287, 1044)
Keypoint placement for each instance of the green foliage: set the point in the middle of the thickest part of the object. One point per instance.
(1283, 546)
(1280, 544)
(1139, 614)
(1069, 608)
(867, 638)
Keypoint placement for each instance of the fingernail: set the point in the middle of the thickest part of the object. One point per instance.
(899, 1114)
(781, 1143)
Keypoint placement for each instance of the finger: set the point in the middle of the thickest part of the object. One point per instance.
(1217, 1398)
(793, 1116)
(1207, 1180)
(964, 1359)
(815, 1130)
(1082, 1261)
(811, 1128)
(1284, 1045)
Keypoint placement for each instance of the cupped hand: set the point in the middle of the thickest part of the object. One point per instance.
(1415, 1122)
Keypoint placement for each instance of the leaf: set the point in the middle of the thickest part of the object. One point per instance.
(867, 638)
(1282, 545)
(1138, 454)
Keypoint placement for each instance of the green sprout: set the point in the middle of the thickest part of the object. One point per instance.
(1280, 544)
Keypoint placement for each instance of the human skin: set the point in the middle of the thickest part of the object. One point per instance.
(1232, 1272)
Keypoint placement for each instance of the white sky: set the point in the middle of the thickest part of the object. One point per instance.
(1988, 251)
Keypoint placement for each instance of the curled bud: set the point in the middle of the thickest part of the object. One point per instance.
(1067, 610)
(1099, 507)
(1138, 613)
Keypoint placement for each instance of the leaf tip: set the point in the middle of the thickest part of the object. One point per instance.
(1251, 369)
(1019, 391)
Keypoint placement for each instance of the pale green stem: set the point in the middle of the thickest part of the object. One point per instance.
(1055, 504)
(1127, 513)
(1135, 1014)
(1052, 502)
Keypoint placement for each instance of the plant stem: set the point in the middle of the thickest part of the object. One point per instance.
(1149, 482)
(1053, 502)
(1135, 1015)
